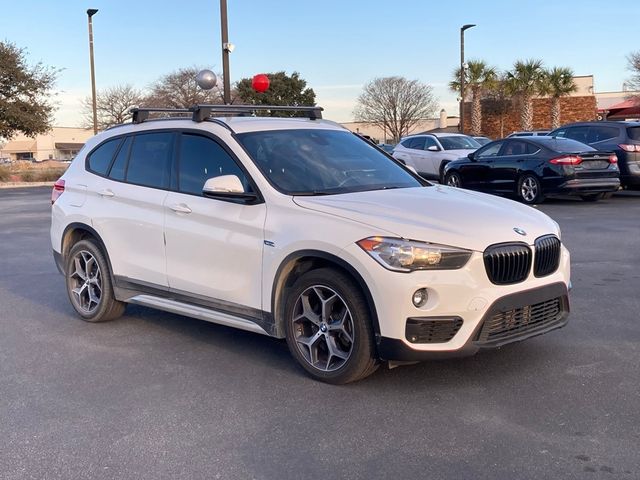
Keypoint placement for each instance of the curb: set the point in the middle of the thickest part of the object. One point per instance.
(25, 184)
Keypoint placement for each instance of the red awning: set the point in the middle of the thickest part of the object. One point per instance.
(629, 108)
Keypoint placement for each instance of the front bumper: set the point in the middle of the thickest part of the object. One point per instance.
(520, 329)
(466, 294)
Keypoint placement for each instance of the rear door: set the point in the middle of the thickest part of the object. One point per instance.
(506, 167)
(213, 247)
(127, 206)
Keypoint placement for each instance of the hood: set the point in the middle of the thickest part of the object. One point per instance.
(438, 214)
(459, 153)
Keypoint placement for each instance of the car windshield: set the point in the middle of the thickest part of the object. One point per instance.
(458, 142)
(323, 162)
(563, 145)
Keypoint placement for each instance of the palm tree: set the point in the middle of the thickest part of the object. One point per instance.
(557, 83)
(479, 78)
(525, 81)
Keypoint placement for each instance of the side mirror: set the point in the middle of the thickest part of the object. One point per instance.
(471, 156)
(433, 148)
(226, 187)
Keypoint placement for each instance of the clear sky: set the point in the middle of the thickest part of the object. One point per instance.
(336, 45)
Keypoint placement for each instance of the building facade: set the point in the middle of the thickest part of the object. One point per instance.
(60, 143)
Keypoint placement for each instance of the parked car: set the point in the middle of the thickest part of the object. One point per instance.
(429, 153)
(298, 229)
(534, 167)
(386, 147)
(532, 133)
(482, 140)
(623, 138)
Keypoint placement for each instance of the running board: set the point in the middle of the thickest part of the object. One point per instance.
(194, 311)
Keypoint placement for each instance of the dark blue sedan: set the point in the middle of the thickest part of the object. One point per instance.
(534, 167)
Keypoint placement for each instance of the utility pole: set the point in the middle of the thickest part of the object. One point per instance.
(462, 74)
(90, 13)
(226, 48)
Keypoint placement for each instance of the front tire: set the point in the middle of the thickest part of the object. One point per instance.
(88, 281)
(453, 179)
(328, 327)
(530, 189)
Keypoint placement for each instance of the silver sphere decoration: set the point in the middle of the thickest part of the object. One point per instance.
(206, 79)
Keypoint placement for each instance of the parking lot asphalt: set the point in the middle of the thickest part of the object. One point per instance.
(154, 395)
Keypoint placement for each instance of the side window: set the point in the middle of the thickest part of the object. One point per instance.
(100, 159)
(489, 151)
(531, 148)
(430, 142)
(119, 164)
(562, 133)
(602, 133)
(202, 158)
(578, 133)
(150, 159)
(406, 143)
(417, 143)
(515, 147)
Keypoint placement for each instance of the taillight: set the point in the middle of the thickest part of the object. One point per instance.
(566, 160)
(613, 158)
(629, 148)
(58, 189)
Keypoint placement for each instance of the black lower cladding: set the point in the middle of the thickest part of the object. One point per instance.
(432, 329)
(398, 350)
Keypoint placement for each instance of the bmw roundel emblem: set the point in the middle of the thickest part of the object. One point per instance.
(519, 231)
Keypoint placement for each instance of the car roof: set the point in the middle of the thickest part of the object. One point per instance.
(237, 124)
(601, 122)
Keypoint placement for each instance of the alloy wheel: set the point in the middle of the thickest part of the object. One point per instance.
(453, 181)
(323, 328)
(86, 282)
(529, 189)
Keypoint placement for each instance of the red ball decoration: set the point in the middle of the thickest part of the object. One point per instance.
(260, 83)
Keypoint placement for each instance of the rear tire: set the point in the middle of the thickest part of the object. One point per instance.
(328, 327)
(530, 189)
(88, 281)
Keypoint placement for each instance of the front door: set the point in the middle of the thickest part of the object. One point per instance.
(213, 247)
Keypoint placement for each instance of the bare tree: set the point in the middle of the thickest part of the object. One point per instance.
(179, 89)
(395, 104)
(112, 106)
(634, 65)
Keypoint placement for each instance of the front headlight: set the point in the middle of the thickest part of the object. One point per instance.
(406, 255)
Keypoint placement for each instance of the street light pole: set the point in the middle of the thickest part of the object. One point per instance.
(90, 13)
(462, 74)
(225, 52)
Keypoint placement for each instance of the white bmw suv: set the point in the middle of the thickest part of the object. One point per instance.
(296, 228)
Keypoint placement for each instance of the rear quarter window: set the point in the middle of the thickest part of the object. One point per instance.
(100, 159)
(634, 133)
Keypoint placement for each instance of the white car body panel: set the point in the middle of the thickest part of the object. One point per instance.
(234, 253)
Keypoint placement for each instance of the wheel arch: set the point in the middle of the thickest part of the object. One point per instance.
(296, 264)
(77, 231)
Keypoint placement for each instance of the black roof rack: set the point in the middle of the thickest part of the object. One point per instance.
(203, 112)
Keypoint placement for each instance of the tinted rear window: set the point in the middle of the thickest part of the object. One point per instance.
(562, 145)
(150, 159)
(634, 133)
(101, 157)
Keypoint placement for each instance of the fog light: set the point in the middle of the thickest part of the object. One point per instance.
(420, 297)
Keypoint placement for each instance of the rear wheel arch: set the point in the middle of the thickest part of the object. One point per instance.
(300, 262)
(74, 232)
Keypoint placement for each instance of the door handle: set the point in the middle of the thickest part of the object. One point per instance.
(106, 193)
(180, 208)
